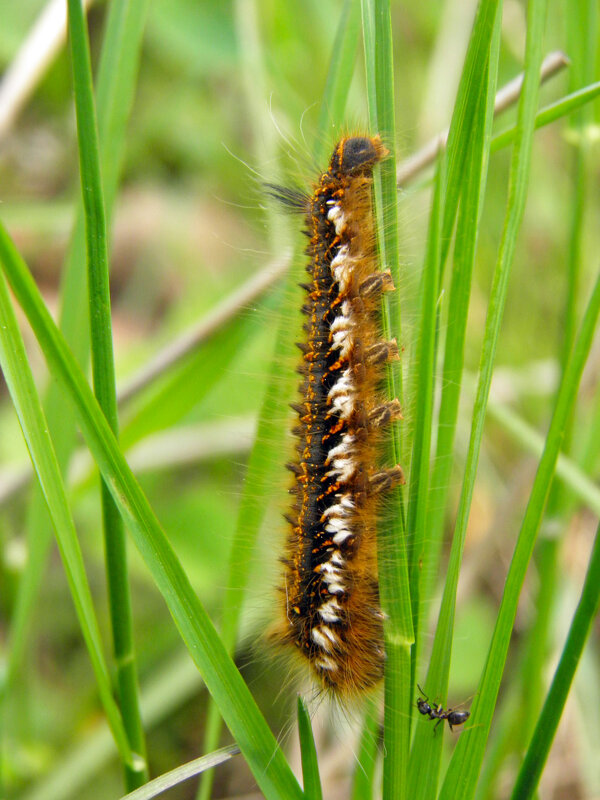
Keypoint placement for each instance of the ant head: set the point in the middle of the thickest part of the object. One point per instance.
(423, 706)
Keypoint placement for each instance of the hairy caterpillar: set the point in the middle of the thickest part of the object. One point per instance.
(331, 607)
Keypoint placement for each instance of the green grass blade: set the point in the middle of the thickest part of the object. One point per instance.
(457, 780)
(116, 81)
(19, 379)
(237, 706)
(464, 768)
(427, 748)
(545, 729)
(567, 470)
(391, 539)
(339, 78)
(366, 757)
(561, 108)
(115, 90)
(368, 32)
(467, 167)
(263, 463)
(471, 202)
(103, 369)
(459, 133)
(423, 388)
(310, 767)
(533, 685)
(183, 773)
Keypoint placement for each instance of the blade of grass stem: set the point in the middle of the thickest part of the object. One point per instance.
(466, 762)
(469, 751)
(264, 457)
(561, 108)
(505, 97)
(308, 751)
(423, 388)
(464, 108)
(116, 79)
(182, 773)
(339, 78)
(580, 18)
(366, 758)
(471, 202)
(566, 469)
(19, 379)
(391, 539)
(103, 370)
(427, 748)
(499, 748)
(238, 708)
(545, 729)
(515, 207)
(379, 62)
(263, 462)
(584, 17)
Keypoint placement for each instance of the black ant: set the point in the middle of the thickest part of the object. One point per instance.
(436, 711)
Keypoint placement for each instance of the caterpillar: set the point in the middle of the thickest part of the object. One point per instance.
(331, 609)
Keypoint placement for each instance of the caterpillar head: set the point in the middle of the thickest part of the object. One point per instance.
(356, 154)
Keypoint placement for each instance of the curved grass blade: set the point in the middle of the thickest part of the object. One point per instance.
(223, 680)
(19, 379)
(183, 773)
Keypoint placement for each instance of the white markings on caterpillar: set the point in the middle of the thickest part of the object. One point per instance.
(341, 395)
